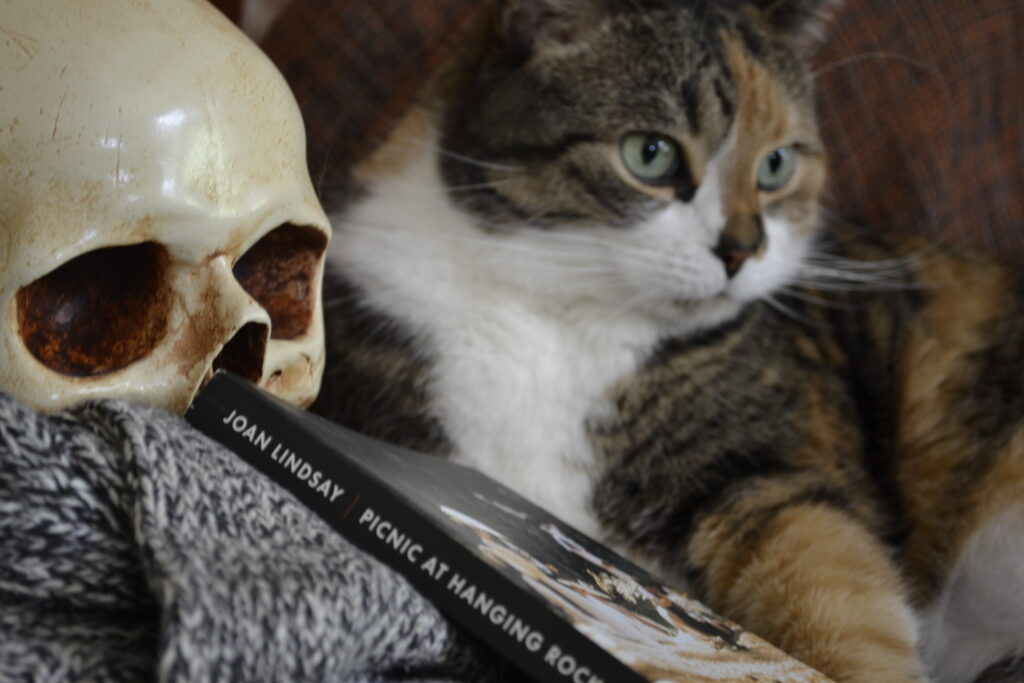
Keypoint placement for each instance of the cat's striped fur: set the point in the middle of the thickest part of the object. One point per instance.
(841, 471)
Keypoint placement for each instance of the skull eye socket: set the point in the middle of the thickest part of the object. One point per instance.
(280, 273)
(99, 312)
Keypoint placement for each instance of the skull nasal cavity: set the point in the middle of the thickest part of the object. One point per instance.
(243, 354)
(99, 312)
(281, 273)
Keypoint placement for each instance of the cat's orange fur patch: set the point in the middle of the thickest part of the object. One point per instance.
(404, 142)
(821, 587)
(937, 450)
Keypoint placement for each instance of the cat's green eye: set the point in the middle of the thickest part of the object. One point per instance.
(652, 158)
(776, 169)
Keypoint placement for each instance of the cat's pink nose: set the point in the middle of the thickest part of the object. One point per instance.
(733, 255)
(742, 238)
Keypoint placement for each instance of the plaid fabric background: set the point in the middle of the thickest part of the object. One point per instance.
(923, 108)
(356, 65)
(922, 101)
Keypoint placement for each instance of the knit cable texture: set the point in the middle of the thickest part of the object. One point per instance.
(133, 548)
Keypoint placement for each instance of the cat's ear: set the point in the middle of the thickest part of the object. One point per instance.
(802, 20)
(535, 24)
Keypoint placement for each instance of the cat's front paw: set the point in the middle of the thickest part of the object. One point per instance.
(875, 666)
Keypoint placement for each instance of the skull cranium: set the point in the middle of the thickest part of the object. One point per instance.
(157, 220)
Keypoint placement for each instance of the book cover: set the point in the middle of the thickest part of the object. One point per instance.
(558, 605)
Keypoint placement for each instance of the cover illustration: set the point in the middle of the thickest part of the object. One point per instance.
(522, 580)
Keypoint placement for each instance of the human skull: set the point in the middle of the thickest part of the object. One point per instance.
(157, 219)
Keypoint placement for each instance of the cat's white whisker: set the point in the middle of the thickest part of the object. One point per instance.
(473, 187)
(786, 310)
(901, 264)
(849, 275)
(829, 276)
(434, 147)
(853, 286)
(815, 298)
(558, 254)
(911, 261)
(878, 55)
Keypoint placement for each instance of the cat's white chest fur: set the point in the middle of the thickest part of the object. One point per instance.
(515, 392)
(516, 373)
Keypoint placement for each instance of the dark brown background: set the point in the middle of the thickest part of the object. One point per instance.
(922, 101)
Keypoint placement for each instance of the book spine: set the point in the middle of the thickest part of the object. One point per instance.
(273, 439)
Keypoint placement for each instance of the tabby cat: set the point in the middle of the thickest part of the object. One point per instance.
(591, 263)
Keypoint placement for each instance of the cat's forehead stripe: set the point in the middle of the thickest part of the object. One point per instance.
(707, 94)
(762, 107)
(725, 99)
(690, 94)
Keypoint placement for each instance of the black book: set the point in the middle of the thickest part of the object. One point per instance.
(555, 603)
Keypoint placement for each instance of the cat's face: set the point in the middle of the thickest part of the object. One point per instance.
(663, 155)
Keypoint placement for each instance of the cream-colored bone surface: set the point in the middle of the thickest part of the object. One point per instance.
(150, 122)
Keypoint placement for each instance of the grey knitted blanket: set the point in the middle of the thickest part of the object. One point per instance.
(132, 548)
